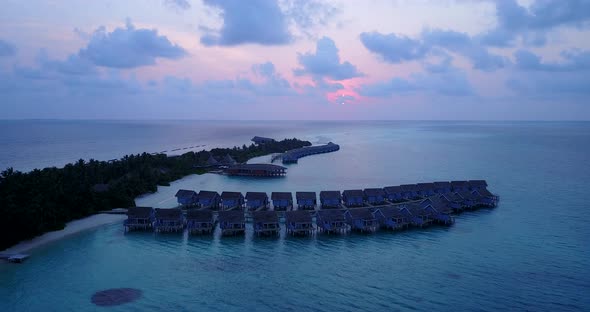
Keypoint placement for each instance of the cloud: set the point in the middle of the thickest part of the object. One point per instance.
(532, 24)
(254, 21)
(177, 4)
(395, 49)
(465, 45)
(273, 83)
(546, 85)
(7, 48)
(537, 78)
(574, 60)
(448, 83)
(129, 47)
(307, 15)
(325, 62)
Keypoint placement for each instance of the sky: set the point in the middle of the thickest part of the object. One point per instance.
(295, 59)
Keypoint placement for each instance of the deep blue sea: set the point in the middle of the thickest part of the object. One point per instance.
(530, 253)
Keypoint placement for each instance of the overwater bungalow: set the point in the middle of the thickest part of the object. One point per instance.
(209, 199)
(409, 191)
(169, 220)
(442, 187)
(442, 210)
(200, 221)
(353, 198)
(261, 140)
(470, 200)
(454, 201)
(256, 200)
(394, 194)
(331, 221)
(425, 189)
(282, 200)
(361, 219)
(486, 198)
(375, 196)
(265, 223)
(232, 222)
(306, 200)
(232, 200)
(187, 198)
(475, 185)
(393, 217)
(256, 170)
(330, 199)
(459, 186)
(139, 218)
(299, 222)
(421, 216)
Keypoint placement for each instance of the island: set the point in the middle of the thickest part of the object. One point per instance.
(44, 200)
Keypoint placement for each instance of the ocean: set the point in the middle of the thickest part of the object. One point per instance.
(530, 253)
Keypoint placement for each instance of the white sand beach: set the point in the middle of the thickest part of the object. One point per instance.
(72, 227)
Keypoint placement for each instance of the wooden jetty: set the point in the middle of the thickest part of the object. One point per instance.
(265, 223)
(200, 221)
(256, 201)
(361, 219)
(306, 200)
(330, 199)
(282, 200)
(232, 222)
(256, 170)
(232, 200)
(331, 221)
(299, 222)
(293, 156)
(139, 218)
(169, 220)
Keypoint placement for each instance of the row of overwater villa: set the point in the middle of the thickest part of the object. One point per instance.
(393, 207)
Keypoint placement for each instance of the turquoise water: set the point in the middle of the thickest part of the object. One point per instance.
(530, 253)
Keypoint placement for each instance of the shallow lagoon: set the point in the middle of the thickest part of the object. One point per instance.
(529, 253)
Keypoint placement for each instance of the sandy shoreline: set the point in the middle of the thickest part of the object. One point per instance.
(72, 227)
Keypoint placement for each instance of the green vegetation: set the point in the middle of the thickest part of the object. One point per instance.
(45, 200)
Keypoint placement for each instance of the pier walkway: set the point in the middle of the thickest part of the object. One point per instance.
(292, 156)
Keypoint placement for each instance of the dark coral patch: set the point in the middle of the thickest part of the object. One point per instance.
(115, 296)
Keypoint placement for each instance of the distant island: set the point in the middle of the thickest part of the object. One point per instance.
(45, 200)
